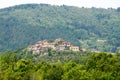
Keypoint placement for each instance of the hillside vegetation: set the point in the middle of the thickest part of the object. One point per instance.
(90, 28)
(60, 66)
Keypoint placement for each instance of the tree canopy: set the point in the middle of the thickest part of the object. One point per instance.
(102, 66)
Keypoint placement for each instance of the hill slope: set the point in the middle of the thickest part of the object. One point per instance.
(89, 28)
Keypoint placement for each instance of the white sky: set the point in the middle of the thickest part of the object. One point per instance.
(79, 3)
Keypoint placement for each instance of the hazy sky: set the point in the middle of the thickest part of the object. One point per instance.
(79, 3)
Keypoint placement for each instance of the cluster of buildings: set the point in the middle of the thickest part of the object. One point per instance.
(58, 44)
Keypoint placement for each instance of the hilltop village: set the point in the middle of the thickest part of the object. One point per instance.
(58, 45)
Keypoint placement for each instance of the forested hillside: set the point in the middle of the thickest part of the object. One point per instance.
(90, 28)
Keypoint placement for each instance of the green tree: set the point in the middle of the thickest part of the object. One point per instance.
(106, 65)
(24, 69)
(7, 63)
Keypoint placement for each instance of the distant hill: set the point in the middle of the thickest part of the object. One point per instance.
(90, 28)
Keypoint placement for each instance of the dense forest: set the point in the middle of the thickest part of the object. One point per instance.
(90, 66)
(90, 28)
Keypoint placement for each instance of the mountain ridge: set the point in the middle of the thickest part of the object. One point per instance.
(26, 24)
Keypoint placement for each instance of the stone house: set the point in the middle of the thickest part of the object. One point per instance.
(67, 44)
(74, 48)
(60, 48)
(58, 39)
